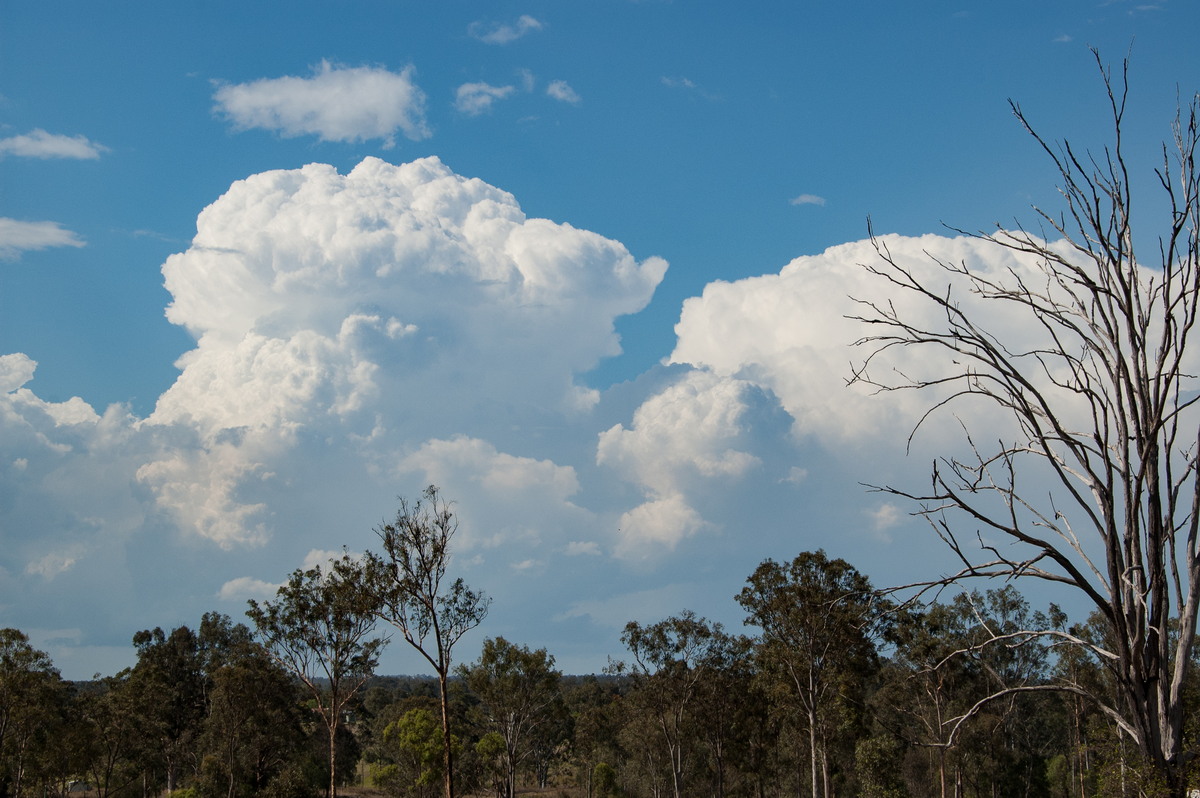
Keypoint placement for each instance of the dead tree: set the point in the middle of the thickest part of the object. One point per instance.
(1107, 430)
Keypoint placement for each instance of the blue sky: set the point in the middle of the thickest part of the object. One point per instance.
(480, 281)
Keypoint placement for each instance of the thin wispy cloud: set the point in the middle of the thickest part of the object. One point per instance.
(688, 85)
(502, 32)
(560, 90)
(335, 103)
(17, 237)
(40, 144)
(474, 99)
(808, 199)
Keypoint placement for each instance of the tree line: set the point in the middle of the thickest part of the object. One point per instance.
(838, 692)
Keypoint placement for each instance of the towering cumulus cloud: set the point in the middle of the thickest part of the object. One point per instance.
(374, 310)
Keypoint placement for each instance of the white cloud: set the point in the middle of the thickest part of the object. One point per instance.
(15, 370)
(337, 103)
(40, 144)
(690, 428)
(17, 237)
(473, 471)
(362, 311)
(560, 90)
(886, 516)
(503, 33)
(657, 526)
(793, 334)
(577, 548)
(680, 439)
(53, 564)
(474, 99)
(808, 199)
(245, 587)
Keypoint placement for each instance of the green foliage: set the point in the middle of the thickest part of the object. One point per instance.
(819, 619)
(414, 743)
(520, 698)
(604, 781)
(879, 763)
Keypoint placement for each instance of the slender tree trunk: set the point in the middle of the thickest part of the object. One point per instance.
(447, 747)
(812, 752)
(333, 726)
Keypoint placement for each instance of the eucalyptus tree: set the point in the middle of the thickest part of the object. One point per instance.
(669, 662)
(819, 618)
(254, 724)
(407, 586)
(518, 690)
(321, 630)
(168, 683)
(30, 691)
(1096, 488)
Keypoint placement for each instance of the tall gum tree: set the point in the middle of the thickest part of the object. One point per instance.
(407, 585)
(1097, 489)
(320, 630)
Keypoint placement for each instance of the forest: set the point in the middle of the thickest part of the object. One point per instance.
(836, 692)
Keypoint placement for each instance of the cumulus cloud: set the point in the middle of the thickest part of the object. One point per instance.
(474, 99)
(15, 370)
(17, 237)
(793, 333)
(335, 103)
(680, 438)
(508, 485)
(366, 309)
(40, 144)
(503, 32)
(560, 90)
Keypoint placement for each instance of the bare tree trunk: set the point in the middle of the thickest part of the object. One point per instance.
(333, 727)
(812, 751)
(447, 747)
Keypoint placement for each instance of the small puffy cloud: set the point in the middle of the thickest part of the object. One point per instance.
(560, 90)
(577, 548)
(245, 587)
(808, 199)
(335, 103)
(502, 32)
(40, 144)
(17, 237)
(474, 99)
(886, 516)
(53, 564)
